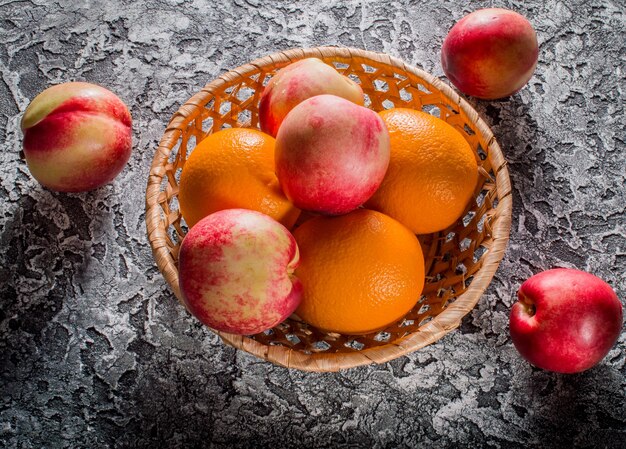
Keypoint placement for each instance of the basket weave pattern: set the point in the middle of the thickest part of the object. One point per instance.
(460, 261)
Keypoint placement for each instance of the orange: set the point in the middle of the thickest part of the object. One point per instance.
(432, 172)
(233, 168)
(360, 272)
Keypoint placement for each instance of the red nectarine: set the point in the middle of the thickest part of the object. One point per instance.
(565, 320)
(490, 53)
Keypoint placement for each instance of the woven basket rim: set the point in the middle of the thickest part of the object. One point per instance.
(443, 323)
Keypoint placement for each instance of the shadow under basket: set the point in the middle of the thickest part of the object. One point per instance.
(460, 261)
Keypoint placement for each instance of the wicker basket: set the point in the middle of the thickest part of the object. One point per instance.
(460, 261)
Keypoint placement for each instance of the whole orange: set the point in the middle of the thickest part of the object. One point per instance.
(432, 172)
(360, 272)
(233, 168)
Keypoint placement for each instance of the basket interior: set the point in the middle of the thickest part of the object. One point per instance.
(452, 256)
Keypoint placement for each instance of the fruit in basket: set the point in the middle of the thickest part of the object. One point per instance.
(432, 172)
(565, 320)
(236, 271)
(331, 154)
(360, 272)
(77, 136)
(233, 168)
(490, 53)
(297, 82)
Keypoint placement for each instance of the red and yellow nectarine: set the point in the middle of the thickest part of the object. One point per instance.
(77, 136)
(490, 53)
(331, 154)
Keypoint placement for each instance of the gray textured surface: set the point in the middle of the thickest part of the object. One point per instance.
(95, 351)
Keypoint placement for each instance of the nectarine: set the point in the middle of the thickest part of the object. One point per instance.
(77, 136)
(565, 320)
(331, 154)
(490, 53)
(297, 82)
(236, 271)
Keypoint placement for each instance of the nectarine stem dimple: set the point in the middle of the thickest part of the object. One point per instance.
(530, 309)
(527, 303)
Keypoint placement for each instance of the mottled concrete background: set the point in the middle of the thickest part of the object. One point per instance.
(94, 349)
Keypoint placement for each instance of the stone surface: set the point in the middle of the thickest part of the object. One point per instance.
(96, 352)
